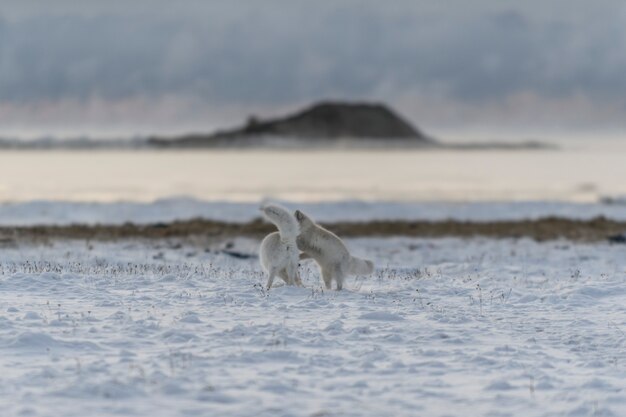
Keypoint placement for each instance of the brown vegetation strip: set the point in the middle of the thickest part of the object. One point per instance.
(542, 229)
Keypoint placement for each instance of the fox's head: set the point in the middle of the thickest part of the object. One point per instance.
(303, 220)
(272, 212)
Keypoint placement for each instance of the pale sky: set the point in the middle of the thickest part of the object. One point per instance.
(93, 67)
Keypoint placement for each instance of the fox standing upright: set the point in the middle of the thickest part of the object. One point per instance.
(279, 252)
(329, 252)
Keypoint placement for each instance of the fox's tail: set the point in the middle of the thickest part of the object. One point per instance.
(283, 219)
(360, 266)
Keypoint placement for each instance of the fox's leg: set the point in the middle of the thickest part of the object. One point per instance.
(285, 276)
(270, 280)
(293, 274)
(328, 278)
(298, 279)
(339, 277)
(296, 276)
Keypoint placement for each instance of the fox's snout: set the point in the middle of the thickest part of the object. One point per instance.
(267, 209)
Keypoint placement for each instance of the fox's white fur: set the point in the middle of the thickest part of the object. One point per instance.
(279, 253)
(329, 252)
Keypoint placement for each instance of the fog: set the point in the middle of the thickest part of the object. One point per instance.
(151, 66)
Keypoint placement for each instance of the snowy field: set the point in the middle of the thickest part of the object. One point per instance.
(445, 327)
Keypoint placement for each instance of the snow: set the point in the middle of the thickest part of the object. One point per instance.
(445, 327)
(183, 208)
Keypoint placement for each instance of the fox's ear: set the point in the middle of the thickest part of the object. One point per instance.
(299, 215)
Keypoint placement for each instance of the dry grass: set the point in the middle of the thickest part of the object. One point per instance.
(550, 228)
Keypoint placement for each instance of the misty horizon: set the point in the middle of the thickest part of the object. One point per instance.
(113, 69)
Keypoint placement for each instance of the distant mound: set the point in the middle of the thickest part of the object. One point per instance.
(330, 120)
(323, 124)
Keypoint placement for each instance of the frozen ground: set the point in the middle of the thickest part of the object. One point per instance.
(170, 209)
(446, 327)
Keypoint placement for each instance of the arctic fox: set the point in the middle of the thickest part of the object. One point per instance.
(329, 252)
(279, 252)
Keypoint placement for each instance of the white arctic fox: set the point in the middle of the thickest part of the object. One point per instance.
(329, 252)
(279, 252)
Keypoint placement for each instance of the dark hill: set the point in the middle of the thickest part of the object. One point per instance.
(323, 123)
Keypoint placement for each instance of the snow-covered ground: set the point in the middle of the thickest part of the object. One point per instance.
(446, 327)
(170, 209)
